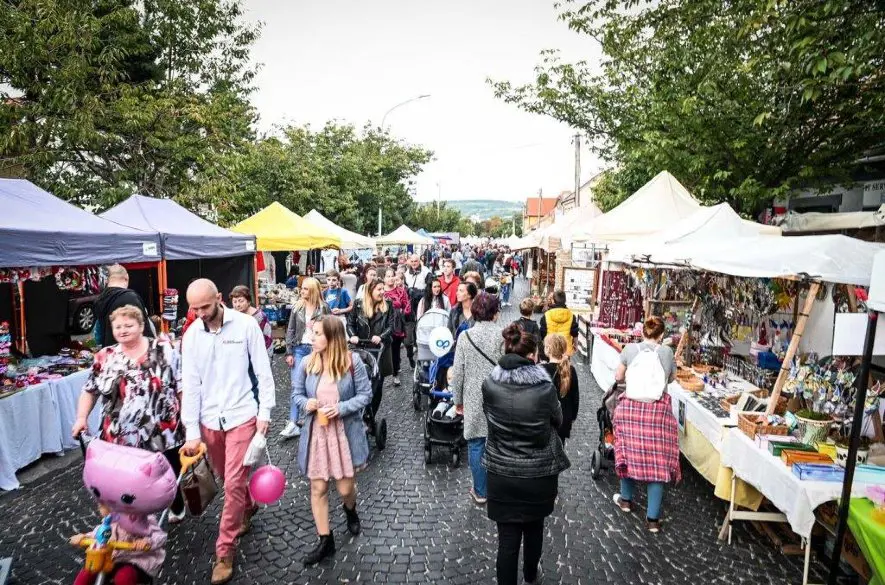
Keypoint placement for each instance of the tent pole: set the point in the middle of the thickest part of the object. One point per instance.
(23, 328)
(684, 340)
(860, 399)
(161, 274)
(255, 277)
(793, 348)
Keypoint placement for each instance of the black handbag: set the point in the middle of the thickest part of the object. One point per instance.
(397, 322)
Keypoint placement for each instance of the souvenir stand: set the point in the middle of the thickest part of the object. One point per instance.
(191, 248)
(45, 242)
(729, 431)
(277, 229)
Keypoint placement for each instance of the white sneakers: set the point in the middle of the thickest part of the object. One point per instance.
(291, 431)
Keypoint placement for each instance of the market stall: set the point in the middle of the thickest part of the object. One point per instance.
(349, 240)
(48, 248)
(276, 228)
(191, 248)
(403, 236)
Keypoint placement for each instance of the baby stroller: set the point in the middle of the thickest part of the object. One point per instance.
(493, 286)
(443, 431)
(604, 455)
(371, 355)
(423, 382)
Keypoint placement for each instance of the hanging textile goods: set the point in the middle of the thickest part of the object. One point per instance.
(170, 304)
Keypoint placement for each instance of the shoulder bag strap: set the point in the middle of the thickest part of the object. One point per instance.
(481, 352)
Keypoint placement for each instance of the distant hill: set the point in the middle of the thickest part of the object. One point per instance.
(485, 209)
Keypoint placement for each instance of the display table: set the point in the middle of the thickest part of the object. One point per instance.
(700, 441)
(870, 537)
(795, 498)
(38, 420)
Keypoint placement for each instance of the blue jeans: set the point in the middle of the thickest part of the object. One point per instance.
(475, 450)
(300, 352)
(655, 496)
(505, 293)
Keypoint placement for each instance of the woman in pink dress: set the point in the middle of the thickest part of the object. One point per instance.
(332, 387)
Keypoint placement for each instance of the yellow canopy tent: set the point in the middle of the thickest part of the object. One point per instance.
(278, 229)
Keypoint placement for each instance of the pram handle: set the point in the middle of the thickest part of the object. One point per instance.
(440, 394)
(188, 461)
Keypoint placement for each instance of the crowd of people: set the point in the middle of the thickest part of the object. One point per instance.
(513, 384)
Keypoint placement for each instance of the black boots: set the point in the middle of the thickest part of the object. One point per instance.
(353, 520)
(325, 548)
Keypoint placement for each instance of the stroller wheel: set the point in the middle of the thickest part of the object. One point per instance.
(456, 457)
(416, 400)
(381, 434)
(596, 465)
(428, 453)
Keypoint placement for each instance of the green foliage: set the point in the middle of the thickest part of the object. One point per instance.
(435, 217)
(112, 97)
(741, 100)
(341, 172)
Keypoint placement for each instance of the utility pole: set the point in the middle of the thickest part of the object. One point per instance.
(577, 142)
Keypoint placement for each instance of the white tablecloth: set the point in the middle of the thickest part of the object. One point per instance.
(796, 498)
(38, 420)
(712, 428)
(604, 362)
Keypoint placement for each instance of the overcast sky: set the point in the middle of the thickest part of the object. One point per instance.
(353, 60)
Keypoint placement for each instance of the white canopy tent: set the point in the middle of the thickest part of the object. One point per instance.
(828, 258)
(403, 236)
(707, 226)
(559, 234)
(349, 240)
(655, 206)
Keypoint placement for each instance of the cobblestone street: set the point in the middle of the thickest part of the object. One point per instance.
(419, 525)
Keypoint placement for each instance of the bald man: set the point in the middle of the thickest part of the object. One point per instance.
(115, 295)
(218, 406)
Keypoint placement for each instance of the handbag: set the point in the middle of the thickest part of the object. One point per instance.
(198, 485)
(398, 323)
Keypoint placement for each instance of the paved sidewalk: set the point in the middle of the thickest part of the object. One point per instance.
(419, 525)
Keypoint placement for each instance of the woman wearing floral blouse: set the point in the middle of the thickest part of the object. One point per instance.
(139, 382)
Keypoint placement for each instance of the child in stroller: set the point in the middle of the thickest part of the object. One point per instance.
(604, 456)
(423, 377)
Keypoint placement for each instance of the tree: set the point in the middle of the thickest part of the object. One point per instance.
(436, 217)
(339, 171)
(102, 99)
(742, 100)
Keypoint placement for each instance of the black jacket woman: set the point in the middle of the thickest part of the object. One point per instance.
(371, 319)
(523, 454)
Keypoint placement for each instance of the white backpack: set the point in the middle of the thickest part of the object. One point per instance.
(645, 376)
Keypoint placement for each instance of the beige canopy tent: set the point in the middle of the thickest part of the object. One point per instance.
(657, 205)
(831, 222)
(349, 240)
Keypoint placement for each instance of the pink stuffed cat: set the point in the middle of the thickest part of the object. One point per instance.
(131, 482)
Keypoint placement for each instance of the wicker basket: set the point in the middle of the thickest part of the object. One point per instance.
(684, 374)
(705, 369)
(729, 401)
(692, 384)
(757, 424)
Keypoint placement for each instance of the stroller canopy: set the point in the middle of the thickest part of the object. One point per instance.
(429, 321)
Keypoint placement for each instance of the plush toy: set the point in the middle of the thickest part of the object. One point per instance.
(131, 482)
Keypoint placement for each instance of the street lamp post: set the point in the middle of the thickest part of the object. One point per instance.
(383, 121)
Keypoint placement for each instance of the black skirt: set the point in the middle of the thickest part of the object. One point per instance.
(517, 499)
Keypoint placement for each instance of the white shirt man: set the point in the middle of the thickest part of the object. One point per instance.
(219, 408)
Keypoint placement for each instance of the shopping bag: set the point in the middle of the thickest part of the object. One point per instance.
(255, 450)
(198, 485)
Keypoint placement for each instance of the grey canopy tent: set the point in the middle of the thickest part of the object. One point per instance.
(39, 229)
(191, 246)
(184, 235)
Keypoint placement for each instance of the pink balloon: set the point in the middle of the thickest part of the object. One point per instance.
(267, 484)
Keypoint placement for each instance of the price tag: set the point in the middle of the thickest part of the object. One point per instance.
(149, 248)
